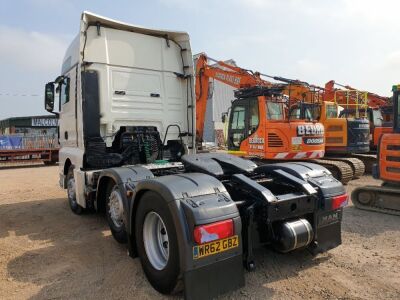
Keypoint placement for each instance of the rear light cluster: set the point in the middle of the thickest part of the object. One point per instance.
(213, 231)
(340, 201)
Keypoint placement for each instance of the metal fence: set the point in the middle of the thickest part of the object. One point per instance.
(28, 142)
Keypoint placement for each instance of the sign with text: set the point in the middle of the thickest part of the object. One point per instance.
(10, 142)
(44, 122)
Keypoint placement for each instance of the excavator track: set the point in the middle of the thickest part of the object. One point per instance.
(339, 169)
(357, 165)
(384, 199)
(368, 159)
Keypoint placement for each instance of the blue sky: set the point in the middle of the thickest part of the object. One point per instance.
(352, 41)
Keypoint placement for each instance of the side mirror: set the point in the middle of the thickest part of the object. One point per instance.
(223, 118)
(49, 97)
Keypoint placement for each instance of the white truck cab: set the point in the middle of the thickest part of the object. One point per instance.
(143, 78)
(127, 136)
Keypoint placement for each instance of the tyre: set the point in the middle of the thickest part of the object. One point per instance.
(71, 192)
(115, 213)
(157, 243)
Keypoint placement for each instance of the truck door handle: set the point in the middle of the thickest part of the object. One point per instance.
(66, 135)
(156, 95)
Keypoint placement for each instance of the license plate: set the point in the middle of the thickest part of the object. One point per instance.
(215, 247)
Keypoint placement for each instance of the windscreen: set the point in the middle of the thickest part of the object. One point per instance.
(331, 111)
(305, 112)
(275, 110)
(377, 117)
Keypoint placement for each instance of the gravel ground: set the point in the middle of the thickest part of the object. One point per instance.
(47, 252)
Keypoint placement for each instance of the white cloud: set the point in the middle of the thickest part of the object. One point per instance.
(373, 11)
(392, 60)
(30, 50)
(307, 66)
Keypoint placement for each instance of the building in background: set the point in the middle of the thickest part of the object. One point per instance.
(30, 125)
(220, 97)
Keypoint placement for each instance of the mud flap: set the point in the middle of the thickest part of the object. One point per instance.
(215, 279)
(328, 232)
(197, 199)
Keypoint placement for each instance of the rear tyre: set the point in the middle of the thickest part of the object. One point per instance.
(115, 213)
(71, 192)
(157, 243)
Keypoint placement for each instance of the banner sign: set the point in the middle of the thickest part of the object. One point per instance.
(10, 142)
(44, 122)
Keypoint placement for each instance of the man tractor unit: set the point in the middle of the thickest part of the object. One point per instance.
(127, 132)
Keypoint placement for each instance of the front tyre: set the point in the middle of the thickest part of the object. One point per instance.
(115, 213)
(157, 243)
(71, 192)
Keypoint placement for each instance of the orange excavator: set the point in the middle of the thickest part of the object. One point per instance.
(379, 113)
(342, 136)
(385, 198)
(259, 124)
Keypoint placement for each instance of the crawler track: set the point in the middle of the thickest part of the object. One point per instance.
(357, 165)
(339, 169)
(384, 199)
(368, 159)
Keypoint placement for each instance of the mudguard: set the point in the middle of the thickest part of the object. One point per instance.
(217, 164)
(316, 175)
(195, 199)
(327, 222)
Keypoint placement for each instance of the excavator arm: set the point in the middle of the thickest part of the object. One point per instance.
(225, 73)
(372, 100)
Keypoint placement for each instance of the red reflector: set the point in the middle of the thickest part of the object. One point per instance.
(214, 231)
(340, 201)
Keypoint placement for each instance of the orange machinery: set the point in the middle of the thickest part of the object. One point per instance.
(378, 111)
(342, 136)
(385, 198)
(259, 125)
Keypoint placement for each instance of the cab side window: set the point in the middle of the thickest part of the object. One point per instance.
(253, 114)
(64, 91)
(238, 117)
(331, 111)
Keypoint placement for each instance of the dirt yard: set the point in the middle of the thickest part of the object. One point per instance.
(46, 252)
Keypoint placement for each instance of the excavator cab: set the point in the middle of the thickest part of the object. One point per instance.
(262, 125)
(346, 133)
(388, 168)
(377, 121)
(385, 198)
(396, 97)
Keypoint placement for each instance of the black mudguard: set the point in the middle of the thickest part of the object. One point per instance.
(193, 199)
(196, 199)
(327, 223)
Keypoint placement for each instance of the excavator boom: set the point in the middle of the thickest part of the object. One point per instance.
(231, 75)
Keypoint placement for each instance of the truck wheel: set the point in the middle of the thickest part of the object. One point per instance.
(157, 243)
(115, 214)
(71, 192)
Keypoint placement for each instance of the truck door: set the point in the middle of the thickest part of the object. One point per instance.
(244, 120)
(68, 109)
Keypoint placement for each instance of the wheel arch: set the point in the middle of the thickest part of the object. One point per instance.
(67, 165)
(102, 189)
